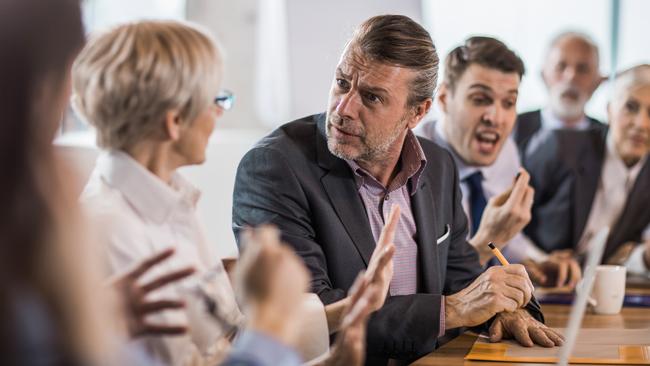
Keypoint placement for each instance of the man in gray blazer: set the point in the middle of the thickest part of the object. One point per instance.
(329, 180)
(571, 75)
(586, 180)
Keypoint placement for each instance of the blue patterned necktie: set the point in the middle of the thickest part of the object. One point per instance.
(477, 201)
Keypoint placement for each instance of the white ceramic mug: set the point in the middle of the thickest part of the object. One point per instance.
(609, 289)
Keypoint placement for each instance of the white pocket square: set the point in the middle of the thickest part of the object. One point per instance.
(445, 235)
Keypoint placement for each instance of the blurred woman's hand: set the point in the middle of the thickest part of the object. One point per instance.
(133, 296)
(271, 282)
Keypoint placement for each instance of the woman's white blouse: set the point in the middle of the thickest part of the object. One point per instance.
(136, 216)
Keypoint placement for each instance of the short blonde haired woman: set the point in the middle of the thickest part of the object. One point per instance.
(151, 90)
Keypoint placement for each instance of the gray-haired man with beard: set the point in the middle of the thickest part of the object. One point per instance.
(571, 75)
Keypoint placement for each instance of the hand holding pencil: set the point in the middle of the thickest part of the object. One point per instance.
(498, 289)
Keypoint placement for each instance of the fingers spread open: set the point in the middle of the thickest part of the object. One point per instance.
(520, 332)
(167, 279)
(155, 306)
(540, 337)
(496, 331)
(157, 329)
(557, 338)
(150, 262)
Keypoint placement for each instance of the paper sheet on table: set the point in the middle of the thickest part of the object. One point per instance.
(594, 346)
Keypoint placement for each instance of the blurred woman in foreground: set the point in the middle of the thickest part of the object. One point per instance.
(53, 305)
(50, 314)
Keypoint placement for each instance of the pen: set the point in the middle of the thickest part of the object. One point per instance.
(497, 253)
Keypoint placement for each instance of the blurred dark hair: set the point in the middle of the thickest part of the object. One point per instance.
(38, 41)
(485, 51)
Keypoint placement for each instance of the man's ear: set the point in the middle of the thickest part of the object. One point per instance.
(420, 110)
(601, 79)
(173, 124)
(610, 113)
(443, 93)
(543, 76)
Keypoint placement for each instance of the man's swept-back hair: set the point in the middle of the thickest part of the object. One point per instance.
(398, 40)
(485, 51)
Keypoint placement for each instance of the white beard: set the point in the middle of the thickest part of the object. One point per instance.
(564, 109)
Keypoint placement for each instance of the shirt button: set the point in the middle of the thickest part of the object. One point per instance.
(386, 197)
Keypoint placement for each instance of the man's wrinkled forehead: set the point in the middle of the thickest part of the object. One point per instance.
(353, 60)
(355, 66)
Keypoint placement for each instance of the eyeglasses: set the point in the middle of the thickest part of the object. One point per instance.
(225, 100)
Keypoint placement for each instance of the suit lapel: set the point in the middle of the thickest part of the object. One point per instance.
(423, 208)
(341, 189)
(587, 177)
(339, 185)
(526, 129)
(533, 125)
(629, 220)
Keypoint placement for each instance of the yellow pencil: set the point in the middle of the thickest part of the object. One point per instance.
(497, 253)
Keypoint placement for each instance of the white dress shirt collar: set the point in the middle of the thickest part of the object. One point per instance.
(551, 122)
(147, 193)
(614, 186)
(464, 169)
(497, 178)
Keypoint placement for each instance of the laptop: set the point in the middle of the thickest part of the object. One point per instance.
(583, 290)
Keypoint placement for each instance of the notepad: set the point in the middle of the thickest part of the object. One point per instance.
(593, 346)
(582, 346)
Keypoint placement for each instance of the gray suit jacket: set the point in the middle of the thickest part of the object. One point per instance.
(565, 174)
(291, 179)
(529, 123)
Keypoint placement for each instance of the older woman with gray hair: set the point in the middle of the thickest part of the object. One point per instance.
(152, 90)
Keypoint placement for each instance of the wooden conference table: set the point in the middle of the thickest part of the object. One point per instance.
(557, 316)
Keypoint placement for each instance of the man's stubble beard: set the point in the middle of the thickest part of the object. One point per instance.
(368, 153)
